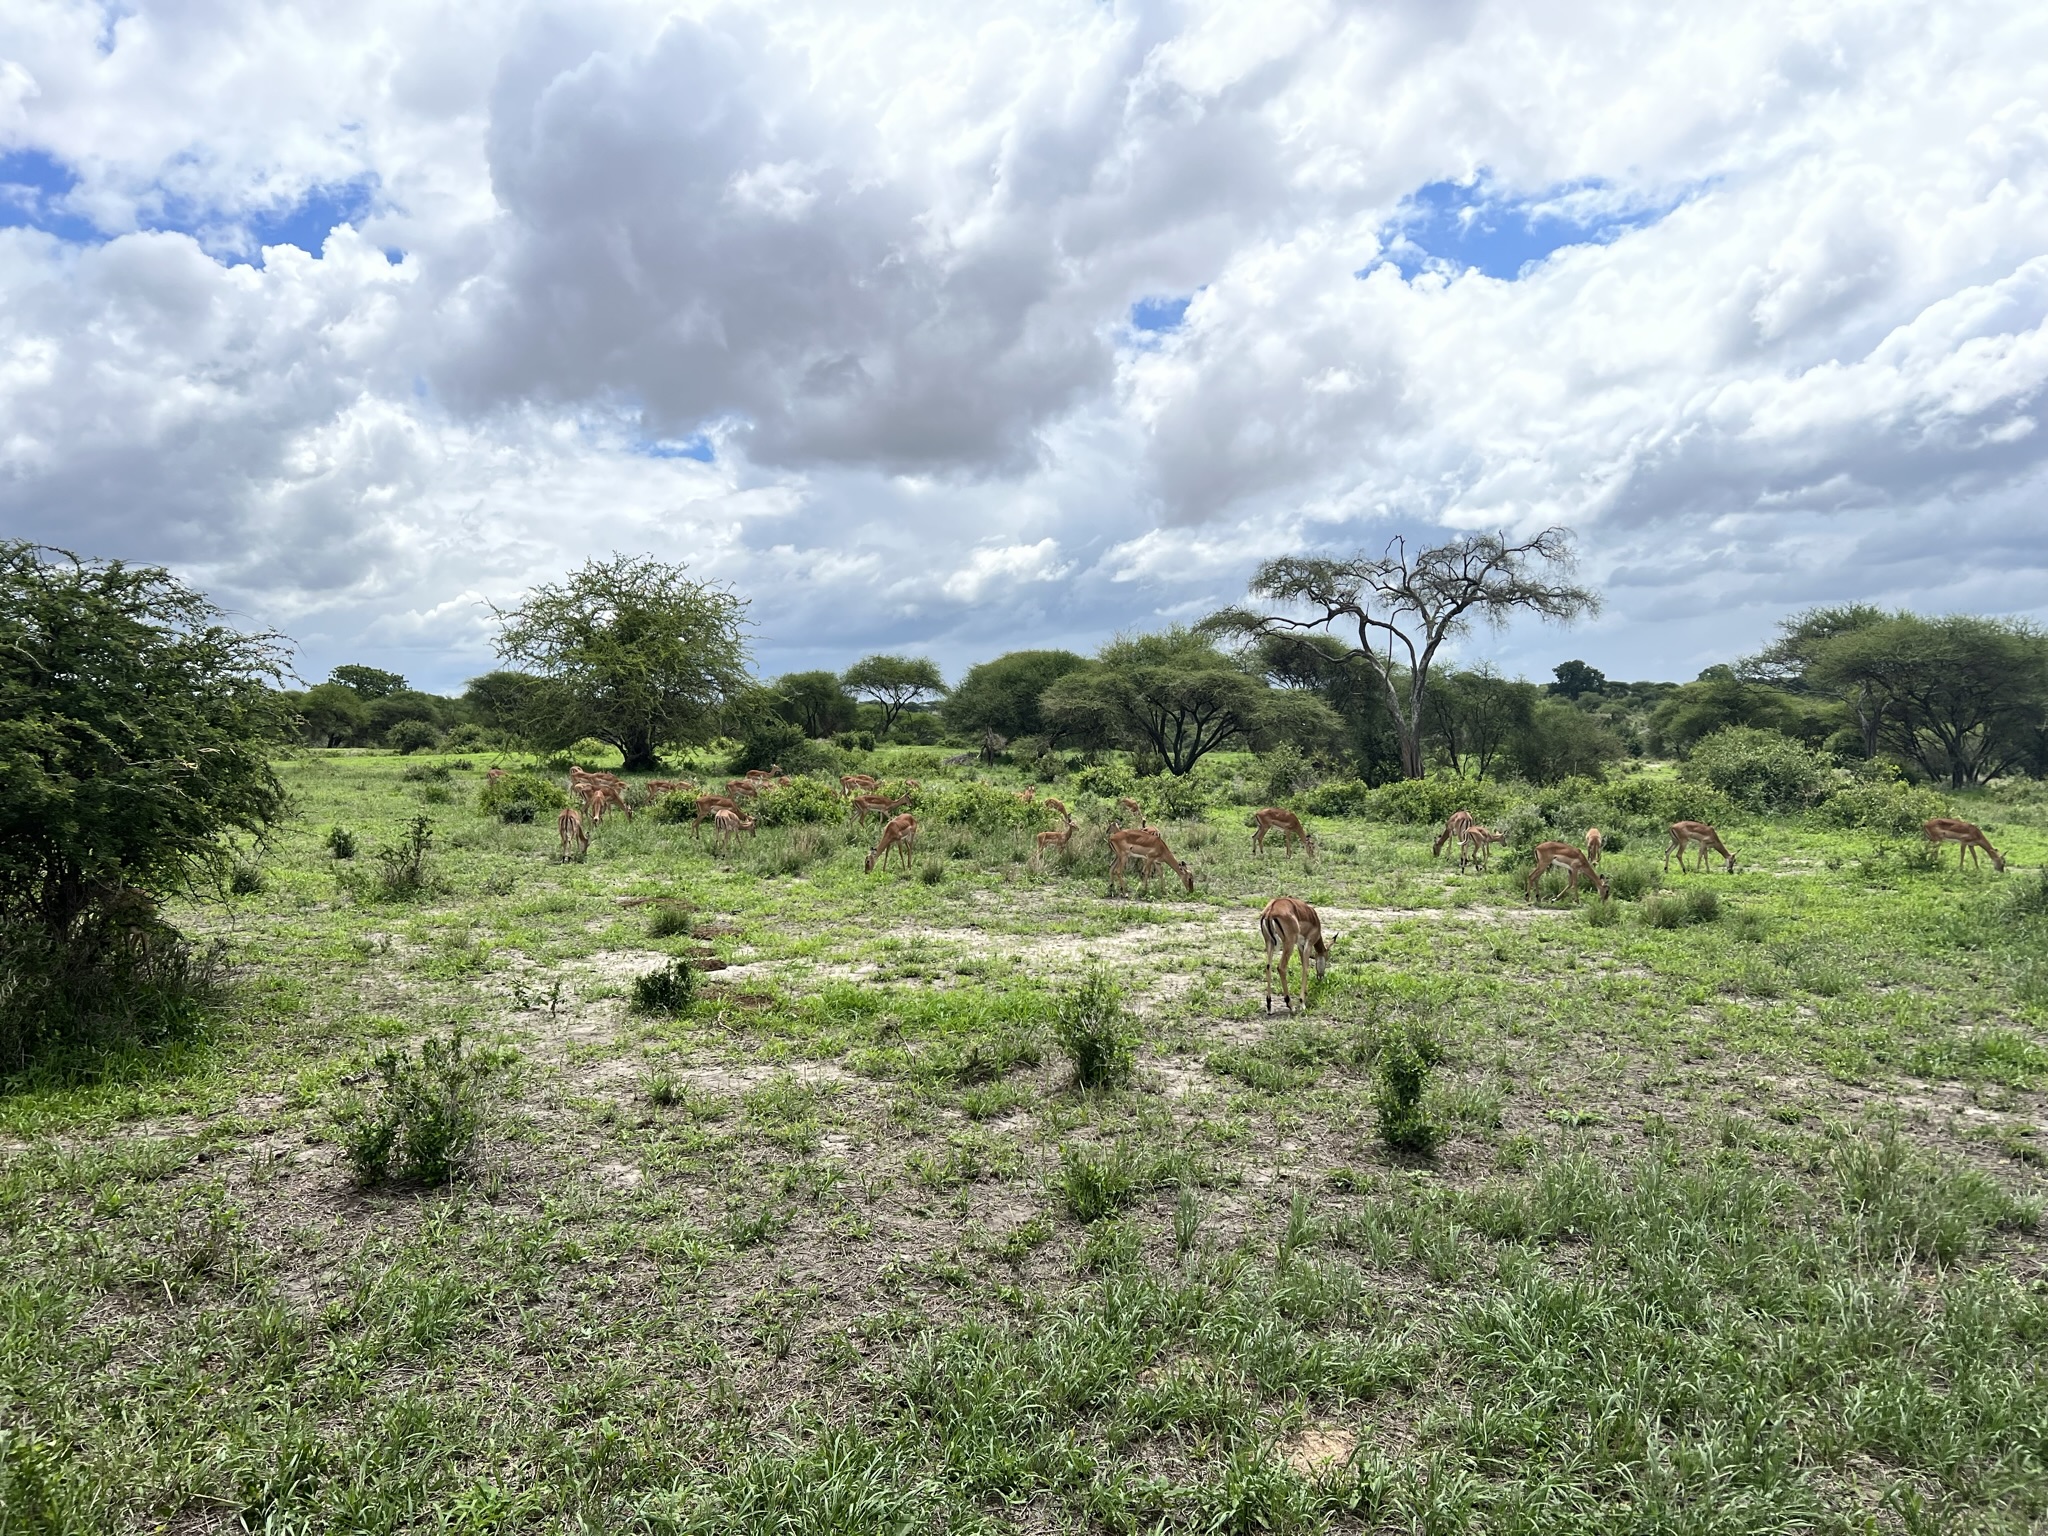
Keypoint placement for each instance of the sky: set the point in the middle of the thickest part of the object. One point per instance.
(954, 328)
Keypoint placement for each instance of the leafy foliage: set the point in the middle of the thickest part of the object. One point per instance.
(1407, 1055)
(637, 655)
(520, 797)
(1884, 805)
(1003, 695)
(409, 736)
(1758, 770)
(135, 731)
(801, 800)
(893, 683)
(670, 990)
(428, 1115)
(1095, 1031)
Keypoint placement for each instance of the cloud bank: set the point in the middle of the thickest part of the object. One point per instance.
(958, 328)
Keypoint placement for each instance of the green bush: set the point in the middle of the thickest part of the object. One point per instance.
(403, 872)
(341, 842)
(54, 996)
(1406, 1058)
(800, 801)
(1180, 798)
(984, 807)
(427, 1118)
(409, 736)
(1650, 801)
(247, 879)
(468, 737)
(1886, 806)
(1347, 797)
(855, 741)
(1628, 879)
(1430, 801)
(1094, 1030)
(1758, 770)
(1284, 772)
(1105, 780)
(672, 989)
(772, 742)
(520, 797)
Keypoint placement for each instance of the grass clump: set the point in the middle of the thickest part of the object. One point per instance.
(670, 990)
(340, 842)
(1094, 1031)
(669, 923)
(428, 1115)
(1406, 1058)
(1898, 1205)
(403, 871)
(520, 798)
(247, 879)
(1628, 879)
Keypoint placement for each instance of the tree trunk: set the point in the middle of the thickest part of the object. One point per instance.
(638, 750)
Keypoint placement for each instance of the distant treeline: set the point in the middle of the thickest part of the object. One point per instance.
(1957, 700)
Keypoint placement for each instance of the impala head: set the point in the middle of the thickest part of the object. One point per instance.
(1600, 884)
(1308, 844)
(871, 861)
(1187, 879)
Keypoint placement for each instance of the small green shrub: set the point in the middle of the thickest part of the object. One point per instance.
(520, 797)
(410, 736)
(427, 1117)
(2026, 899)
(247, 879)
(1180, 798)
(1347, 797)
(341, 842)
(467, 737)
(670, 990)
(1898, 1204)
(1758, 770)
(1702, 904)
(1094, 1030)
(1628, 879)
(1888, 807)
(855, 741)
(403, 871)
(1657, 802)
(984, 807)
(669, 923)
(1406, 1058)
(1283, 772)
(1600, 914)
(1105, 780)
(799, 802)
(1430, 801)
(426, 773)
(1662, 912)
(931, 872)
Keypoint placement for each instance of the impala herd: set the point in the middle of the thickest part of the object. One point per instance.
(1290, 927)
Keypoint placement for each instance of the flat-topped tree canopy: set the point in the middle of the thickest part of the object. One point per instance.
(1404, 605)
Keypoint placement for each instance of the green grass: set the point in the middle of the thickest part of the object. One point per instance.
(1732, 1221)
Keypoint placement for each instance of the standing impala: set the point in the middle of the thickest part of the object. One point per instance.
(1287, 824)
(1292, 927)
(1473, 843)
(1687, 835)
(1150, 850)
(899, 834)
(1967, 836)
(1047, 840)
(570, 825)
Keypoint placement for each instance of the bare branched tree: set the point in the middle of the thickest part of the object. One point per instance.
(1404, 607)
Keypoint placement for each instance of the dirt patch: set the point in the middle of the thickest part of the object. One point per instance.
(1318, 1451)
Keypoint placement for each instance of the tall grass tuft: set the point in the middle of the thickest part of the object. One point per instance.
(670, 990)
(1095, 1031)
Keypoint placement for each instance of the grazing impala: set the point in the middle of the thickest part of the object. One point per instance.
(1129, 807)
(858, 783)
(729, 825)
(1057, 805)
(1047, 840)
(1968, 838)
(708, 806)
(1453, 829)
(1150, 850)
(1574, 863)
(899, 834)
(1292, 927)
(570, 826)
(1287, 824)
(1687, 835)
(865, 806)
(1473, 843)
(1593, 844)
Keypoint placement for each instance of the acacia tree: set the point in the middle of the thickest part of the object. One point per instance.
(1404, 607)
(1175, 694)
(637, 653)
(1477, 715)
(1789, 662)
(814, 702)
(135, 738)
(1961, 696)
(894, 682)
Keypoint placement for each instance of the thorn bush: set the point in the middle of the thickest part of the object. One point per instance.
(428, 1115)
(1093, 1029)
